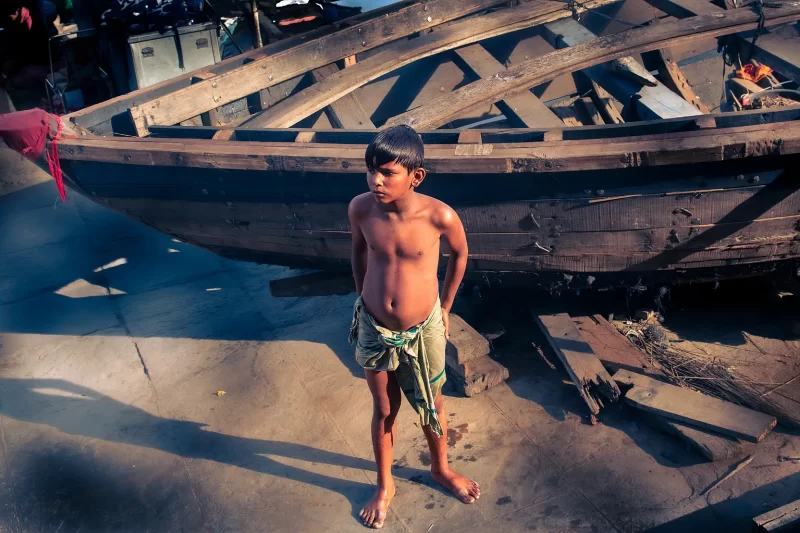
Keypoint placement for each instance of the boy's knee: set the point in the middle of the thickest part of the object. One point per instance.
(385, 410)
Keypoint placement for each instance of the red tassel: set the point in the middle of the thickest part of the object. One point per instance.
(54, 163)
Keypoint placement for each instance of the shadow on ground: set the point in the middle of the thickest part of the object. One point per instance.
(76, 410)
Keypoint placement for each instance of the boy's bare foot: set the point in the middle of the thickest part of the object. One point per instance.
(374, 512)
(464, 488)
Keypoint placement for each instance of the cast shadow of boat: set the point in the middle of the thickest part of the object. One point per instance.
(80, 411)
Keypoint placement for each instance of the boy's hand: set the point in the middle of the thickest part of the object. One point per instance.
(446, 322)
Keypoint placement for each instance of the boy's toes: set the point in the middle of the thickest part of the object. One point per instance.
(475, 490)
(378, 523)
(465, 496)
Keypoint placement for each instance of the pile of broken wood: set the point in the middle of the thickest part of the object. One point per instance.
(590, 347)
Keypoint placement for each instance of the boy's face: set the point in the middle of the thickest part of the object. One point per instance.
(391, 181)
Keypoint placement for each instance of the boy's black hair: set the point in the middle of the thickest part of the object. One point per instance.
(400, 144)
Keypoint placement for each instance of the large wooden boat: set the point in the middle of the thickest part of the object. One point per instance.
(258, 156)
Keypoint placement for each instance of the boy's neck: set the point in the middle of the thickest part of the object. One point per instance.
(402, 205)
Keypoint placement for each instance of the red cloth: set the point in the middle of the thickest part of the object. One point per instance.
(27, 131)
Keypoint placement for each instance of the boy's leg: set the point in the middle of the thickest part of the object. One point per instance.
(464, 488)
(386, 399)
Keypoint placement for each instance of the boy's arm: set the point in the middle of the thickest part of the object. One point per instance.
(453, 231)
(358, 255)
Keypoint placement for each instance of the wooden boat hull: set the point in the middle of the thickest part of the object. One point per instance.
(708, 220)
(697, 197)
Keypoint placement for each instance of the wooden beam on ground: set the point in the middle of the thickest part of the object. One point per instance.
(772, 49)
(452, 35)
(784, 518)
(712, 446)
(467, 358)
(672, 77)
(524, 106)
(618, 353)
(690, 407)
(545, 68)
(594, 384)
(346, 112)
(270, 70)
(653, 100)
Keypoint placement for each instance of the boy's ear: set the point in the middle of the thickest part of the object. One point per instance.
(419, 176)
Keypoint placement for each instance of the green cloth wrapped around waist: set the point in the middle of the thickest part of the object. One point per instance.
(416, 356)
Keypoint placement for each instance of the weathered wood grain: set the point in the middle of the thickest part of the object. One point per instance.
(670, 74)
(617, 353)
(539, 70)
(784, 518)
(652, 100)
(270, 70)
(346, 112)
(712, 446)
(594, 384)
(694, 408)
(653, 150)
(525, 106)
(449, 36)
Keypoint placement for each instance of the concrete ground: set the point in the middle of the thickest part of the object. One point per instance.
(114, 341)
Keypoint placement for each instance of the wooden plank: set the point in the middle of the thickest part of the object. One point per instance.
(628, 67)
(773, 49)
(671, 76)
(652, 100)
(594, 384)
(607, 105)
(591, 110)
(465, 344)
(452, 35)
(99, 117)
(784, 518)
(705, 122)
(346, 112)
(617, 353)
(475, 376)
(541, 69)
(469, 137)
(611, 347)
(567, 113)
(270, 70)
(630, 152)
(696, 409)
(511, 244)
(304, 137)
(525, 106)
(712, 446)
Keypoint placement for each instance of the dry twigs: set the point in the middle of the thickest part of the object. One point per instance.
(706, 374)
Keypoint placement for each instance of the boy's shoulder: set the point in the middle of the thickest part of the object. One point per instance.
(361, 205)
(442, 215)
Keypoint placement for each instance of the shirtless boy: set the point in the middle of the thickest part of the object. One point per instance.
(400, 326)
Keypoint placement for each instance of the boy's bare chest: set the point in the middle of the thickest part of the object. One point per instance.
(407, 239)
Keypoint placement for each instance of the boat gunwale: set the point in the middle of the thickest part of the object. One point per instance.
(698, 146)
